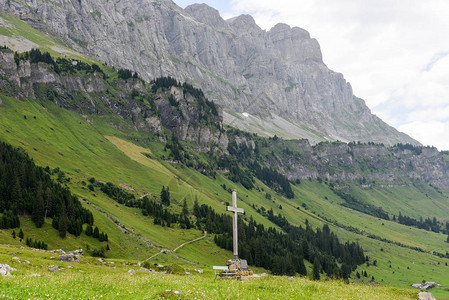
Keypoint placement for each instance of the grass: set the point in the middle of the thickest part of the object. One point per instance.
(83, 149)
(93, 279)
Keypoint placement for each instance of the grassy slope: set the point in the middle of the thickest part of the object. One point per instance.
(63, 139)
(93, 279)
(83, 143)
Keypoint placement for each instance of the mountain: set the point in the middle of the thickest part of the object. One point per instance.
(268, 82)
(116, 142)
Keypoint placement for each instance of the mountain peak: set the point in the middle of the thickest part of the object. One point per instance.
(277, 76)
(245, 22)
(203, 13)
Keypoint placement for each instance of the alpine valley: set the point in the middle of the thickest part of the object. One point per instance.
(125, 126)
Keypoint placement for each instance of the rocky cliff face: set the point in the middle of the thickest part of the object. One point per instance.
(92, 94)
(368, 164)
(277, 76)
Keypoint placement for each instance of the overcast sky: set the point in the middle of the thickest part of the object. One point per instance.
(395, 53)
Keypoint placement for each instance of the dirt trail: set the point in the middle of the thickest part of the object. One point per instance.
(167, 251)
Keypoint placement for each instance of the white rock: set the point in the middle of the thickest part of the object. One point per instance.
(5, 269)
(132, 271)
(53, 268)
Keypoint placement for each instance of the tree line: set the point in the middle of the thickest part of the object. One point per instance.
(26, 189)
(283, 252)
(426, 224)
(60, 65)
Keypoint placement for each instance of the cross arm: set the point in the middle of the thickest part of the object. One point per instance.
(235, 209)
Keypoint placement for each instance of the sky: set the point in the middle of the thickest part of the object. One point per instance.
(395, 53)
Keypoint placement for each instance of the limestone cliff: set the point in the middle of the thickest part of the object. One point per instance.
(90, 93)
(277, 78)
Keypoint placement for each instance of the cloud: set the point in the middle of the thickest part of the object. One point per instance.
(427, 132)
(394, 53)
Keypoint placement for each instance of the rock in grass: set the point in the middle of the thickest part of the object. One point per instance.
(69, 258)
(426, 296)
(132, 271)
(53, 268)
(144, 270)
(5, 269)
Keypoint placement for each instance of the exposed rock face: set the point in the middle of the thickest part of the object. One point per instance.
(185, 120)
(363, 163)
(275, 74)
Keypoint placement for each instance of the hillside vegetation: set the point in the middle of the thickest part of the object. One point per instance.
(98, 279)
(117, 165)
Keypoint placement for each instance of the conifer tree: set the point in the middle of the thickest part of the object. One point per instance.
(96, 233)
(63, 223)
(38, 208)
(13, 234)
(89, 230)
(165, 196)
(316, 269)
(21, 235)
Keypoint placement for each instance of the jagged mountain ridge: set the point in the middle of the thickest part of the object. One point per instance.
(278, 76)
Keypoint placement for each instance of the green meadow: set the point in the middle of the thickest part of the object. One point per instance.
(92, 279)
(89, 146)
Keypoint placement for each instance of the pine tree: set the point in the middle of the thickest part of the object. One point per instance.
(48, 201)
(184, 217)
(63, 223)
(13, 234)
(196, 208)
(165, 196)
(21, 235)
(316, 269)
(88, 230)
(96, 233)
(38, 208)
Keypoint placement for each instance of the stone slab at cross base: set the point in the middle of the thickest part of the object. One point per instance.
(426, 296)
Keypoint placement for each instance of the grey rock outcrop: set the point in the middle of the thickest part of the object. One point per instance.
(5, 270)
(274, 75)
(69, 258)
(54, 268)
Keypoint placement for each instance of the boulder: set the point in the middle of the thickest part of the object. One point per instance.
(132, 271)
(426, 296)
(5, 270)
(69, 258)
(143, 269)
(53, 268)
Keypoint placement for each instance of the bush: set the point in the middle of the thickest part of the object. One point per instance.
(99, 252)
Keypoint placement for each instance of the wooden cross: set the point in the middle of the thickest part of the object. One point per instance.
(235, 210)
